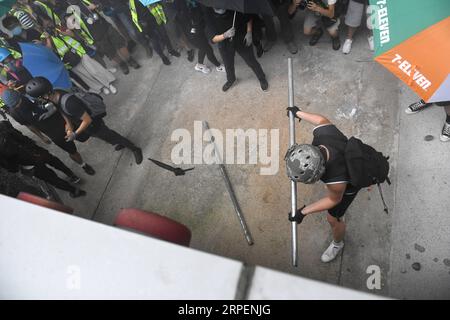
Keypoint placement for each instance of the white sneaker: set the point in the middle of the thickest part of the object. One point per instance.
(221, 68)
(347, 47)
(112, 89)
(371, 43)
(331, 253)
(106, 91)
(202, 68)
(112, 70)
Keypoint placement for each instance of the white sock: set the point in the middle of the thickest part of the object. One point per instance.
(338, 244)
(83, 164)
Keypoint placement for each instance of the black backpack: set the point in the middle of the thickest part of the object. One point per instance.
(366, 166)
(92, 101)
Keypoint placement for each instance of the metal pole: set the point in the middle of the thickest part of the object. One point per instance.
(230, 190)
(293, 184)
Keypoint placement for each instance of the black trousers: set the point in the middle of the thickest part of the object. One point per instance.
(155, 39)
(101, 131)
(204, 49)
(54, 162)
(287, 33)
(228, 51)
(164, 37)
(46, 174)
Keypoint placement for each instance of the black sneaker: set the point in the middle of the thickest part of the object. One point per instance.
(228, 85)
(316, 37)
(445, 134)
(174, 53)
(259, 51)
(166, 61)
(191, 55)
(336, 42)
(77, 193)
(123, 66)
(292, 47)
(138, 155)
(88, 169)
(417, 107)
(264, 85)
(74, 179)
(119, 147)
(133, 63)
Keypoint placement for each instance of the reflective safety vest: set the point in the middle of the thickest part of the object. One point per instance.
(15, 54)
(64, 44)
(155, 9)
(84, 31)
(49, 12)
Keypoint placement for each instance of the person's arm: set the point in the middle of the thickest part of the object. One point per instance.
(334, 197)
(293, 6)
(324, 12)
(38, 133)
(313, 118)
(86, 121)
(226, 35)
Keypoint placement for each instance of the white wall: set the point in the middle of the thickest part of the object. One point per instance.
(45, 254)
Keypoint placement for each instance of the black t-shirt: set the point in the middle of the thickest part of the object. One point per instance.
(224, 22)
(74, 108)
(335, 141)
(27, 113)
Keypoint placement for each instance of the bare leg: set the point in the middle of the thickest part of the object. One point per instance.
(77, 158)
(337, 228)
(350, 32)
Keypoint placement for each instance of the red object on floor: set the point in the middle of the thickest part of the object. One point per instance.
(154, 225)
(44, 202)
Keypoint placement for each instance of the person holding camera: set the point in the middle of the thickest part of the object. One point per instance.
(320, 13)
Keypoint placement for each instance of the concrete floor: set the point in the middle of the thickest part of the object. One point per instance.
(360, 96)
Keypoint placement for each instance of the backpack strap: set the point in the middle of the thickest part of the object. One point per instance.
(64, 99)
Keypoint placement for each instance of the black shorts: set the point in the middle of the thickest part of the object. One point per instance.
(349, 195)
(54, 128)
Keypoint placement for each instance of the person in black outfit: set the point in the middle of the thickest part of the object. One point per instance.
(21, 154)
(324, 159)
(79, 123)
(189, 19)
(43, 120)
(287, 31)
(237, 38)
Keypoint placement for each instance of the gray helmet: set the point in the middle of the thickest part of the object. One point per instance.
(304, 163)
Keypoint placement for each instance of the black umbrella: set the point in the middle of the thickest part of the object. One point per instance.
(244, 6)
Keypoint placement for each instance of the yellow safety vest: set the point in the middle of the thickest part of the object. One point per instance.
(155, 9)
(84, 31)
(64, 44)
(50, 12)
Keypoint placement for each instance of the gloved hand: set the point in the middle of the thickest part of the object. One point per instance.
(71, 136)
(299, 216)
(229, 33)
(51, 110)
(294, 110)
(248, 40)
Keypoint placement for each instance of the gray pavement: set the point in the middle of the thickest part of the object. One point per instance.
(360, 96)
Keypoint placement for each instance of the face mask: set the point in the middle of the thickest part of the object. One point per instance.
(17, 31)
(219, 11)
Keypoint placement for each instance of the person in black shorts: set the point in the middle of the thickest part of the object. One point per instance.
(44, 121)
(323, 160)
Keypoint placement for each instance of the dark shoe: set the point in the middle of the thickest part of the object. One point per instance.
(88, 169)
(191, 55)
(445, 134)
(268, 45)
(174, 53)
(74, 179)
(259, 51)
(119, 147)
(264, 85)
(417, 107)
(138, 155)
(149, 51)
(316, 37)
(132, 63)
(166, 61)
(292, 47)
(228, 85)
(123, 66)
(336, 43)
(77, 193)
